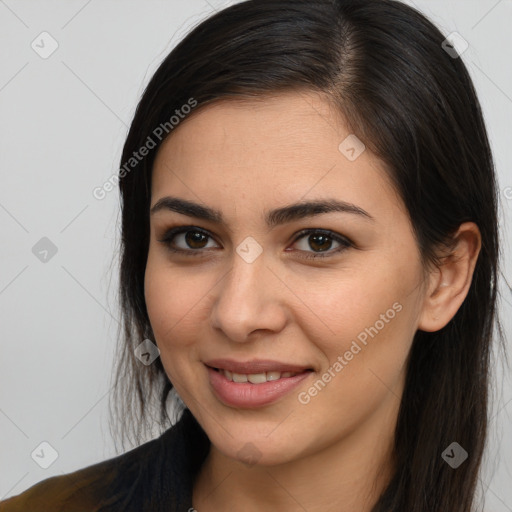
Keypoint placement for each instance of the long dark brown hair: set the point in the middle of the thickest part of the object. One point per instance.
(383, 66)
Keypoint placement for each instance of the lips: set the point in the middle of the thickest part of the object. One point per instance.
(254, 383)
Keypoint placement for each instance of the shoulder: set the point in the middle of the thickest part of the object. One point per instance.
(87, 489)
(157, 475)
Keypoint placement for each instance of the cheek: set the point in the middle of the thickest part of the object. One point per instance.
(343, 305)
(365, 317)
(173, 303)
(176, 302)
(363, 360)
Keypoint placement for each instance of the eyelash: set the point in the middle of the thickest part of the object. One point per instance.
(172, 233)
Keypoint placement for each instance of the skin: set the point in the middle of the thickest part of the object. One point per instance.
(244, 158)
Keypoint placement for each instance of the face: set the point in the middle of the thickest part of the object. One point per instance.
(311, 310)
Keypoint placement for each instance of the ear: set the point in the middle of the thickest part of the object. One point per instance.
(449, 284)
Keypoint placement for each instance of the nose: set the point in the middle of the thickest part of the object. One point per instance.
(249, 298)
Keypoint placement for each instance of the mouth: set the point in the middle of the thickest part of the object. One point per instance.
(254, 384)
(257, 378)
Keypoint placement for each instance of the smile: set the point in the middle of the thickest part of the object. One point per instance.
(255, 378)
(250, 386)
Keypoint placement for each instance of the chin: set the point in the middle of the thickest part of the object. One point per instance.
(258, 450)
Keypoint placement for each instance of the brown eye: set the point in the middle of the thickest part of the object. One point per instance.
(313, 243)
(320, 242)
(187, 239)
(195, 239)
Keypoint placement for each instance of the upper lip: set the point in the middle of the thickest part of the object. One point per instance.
(255, 366)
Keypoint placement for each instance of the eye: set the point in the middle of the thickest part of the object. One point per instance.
(191, 241)
(321, 240)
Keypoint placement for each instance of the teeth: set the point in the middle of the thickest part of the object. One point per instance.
(256, 378)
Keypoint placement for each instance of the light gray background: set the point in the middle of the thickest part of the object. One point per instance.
(62, 125)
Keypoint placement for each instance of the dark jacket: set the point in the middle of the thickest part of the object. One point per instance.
(156, 476)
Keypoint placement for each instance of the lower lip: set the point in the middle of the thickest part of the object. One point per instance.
(248, 395)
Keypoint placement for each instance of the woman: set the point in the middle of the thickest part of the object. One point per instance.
(309, 237)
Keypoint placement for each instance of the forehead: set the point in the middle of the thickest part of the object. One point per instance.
(277, 121)
(285, 146)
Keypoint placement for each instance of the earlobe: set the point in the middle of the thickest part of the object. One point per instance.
(449, 284)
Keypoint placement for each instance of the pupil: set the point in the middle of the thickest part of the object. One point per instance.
(323, 241)
(194, 237)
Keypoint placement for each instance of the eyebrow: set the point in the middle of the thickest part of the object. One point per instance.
(273, 218)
